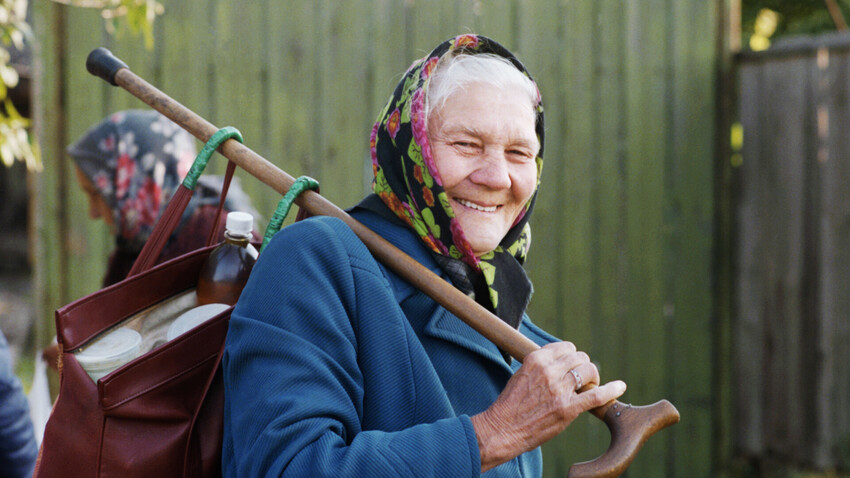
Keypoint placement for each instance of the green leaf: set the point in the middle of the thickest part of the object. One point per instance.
(381, 184)
(428, 216)
(415, 153)
(444, 201)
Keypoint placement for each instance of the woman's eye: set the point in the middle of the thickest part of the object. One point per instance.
(465, 144)
(520, 154)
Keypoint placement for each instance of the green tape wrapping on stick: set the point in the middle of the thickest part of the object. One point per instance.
(220, 136)
(300, 185)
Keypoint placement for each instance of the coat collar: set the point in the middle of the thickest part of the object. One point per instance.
(446, 326)
(439, 323)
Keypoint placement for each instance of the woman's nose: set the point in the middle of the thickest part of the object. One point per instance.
(493, 171)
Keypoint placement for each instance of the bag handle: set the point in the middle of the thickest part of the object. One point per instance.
(300, 185)
(170, 219)
(215, 231)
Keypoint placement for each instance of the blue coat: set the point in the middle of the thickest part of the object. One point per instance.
(334, 366)
(18, 448)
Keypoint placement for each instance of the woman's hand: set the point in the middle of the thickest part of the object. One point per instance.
(539, 401)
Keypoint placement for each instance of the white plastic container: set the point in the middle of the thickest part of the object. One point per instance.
(192, 318)
(109, 352)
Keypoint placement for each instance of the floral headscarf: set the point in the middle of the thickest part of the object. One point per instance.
(136, 159)
(407, 181)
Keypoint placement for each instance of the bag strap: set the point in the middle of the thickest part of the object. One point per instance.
(303, 213)
(300, 185)
(215, 231)
(170, 218)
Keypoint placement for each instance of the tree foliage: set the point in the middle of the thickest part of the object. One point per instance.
(15, 140)
(794, 17)
(137, 15)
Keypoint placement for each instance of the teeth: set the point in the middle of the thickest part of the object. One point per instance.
(477, 207)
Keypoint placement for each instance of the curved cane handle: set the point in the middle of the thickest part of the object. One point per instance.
(630, 427)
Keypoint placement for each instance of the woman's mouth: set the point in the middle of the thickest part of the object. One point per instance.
(477, 207)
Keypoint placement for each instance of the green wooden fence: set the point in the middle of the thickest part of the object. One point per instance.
(621, 259)
(792, 326)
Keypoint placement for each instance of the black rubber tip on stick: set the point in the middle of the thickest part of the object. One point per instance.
(101, 62)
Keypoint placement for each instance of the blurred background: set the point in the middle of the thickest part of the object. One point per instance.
(693, 226)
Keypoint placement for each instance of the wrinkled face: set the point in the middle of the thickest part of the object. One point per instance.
(97, 205)
(484, 146)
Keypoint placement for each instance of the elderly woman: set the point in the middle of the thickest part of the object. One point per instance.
(335, 366)
(129, 165)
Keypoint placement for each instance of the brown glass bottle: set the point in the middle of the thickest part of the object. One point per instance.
(224, 274)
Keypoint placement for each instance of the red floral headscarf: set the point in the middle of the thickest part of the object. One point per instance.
(136, 159)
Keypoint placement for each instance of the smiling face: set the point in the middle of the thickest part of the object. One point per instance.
(484, 147)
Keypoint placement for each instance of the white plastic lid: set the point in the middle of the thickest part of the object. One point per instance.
(239, 223)
(109, 351)
(192, 318)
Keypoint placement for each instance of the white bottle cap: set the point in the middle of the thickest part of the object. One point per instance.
(239, 223)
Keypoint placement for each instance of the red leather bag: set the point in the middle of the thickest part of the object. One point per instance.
(159, 415)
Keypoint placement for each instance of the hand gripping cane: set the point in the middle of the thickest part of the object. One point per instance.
(630, 426)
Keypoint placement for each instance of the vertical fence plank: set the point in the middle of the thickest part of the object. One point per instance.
(783, 170)
(831, 434)
(48, 198)
(129, 48)
(239, 72)
(809, 320)
(608, 195)
(572, 150)
(88, 241)
(290, 89)
(832, 386)
(345, 95)
(748, 326)
(688, 230)
(185, 69)
(646, 70)
(322, 65)
(185, 66)
(573, 116)
(390, 55)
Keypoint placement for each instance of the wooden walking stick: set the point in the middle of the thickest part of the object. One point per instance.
(630, 426)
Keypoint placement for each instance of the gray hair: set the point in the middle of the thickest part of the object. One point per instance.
(455, 72)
